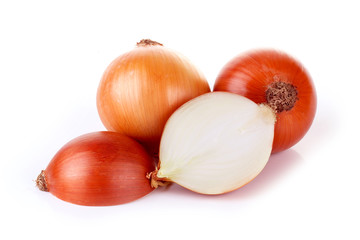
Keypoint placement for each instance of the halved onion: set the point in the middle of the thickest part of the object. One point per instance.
(215, 143)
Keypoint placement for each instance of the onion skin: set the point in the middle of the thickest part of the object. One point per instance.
(98, 169)
(251, 74)
(140, 89)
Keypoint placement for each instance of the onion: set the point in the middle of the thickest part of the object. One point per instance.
(215, 143)
(142, 88)
(278, 80)
(98, 169)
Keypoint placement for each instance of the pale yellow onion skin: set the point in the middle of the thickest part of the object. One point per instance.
(216, 143)
(141, 89)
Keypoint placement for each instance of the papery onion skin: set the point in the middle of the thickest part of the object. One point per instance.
(140, 89)
(216, 143)
(251, 74)
(98, 169)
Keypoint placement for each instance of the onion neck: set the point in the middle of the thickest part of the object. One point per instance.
(41, 182)
(155, 181)
(281, 96)
(147, 43)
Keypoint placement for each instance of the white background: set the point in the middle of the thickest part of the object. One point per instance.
(52, 56)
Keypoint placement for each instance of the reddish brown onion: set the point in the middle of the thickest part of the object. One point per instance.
(278, 80)
(98, 169)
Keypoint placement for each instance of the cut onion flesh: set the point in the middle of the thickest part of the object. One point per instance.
(216, 143)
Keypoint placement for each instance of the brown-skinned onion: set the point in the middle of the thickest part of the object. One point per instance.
(98, 169)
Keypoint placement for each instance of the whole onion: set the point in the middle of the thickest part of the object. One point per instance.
(142, 88)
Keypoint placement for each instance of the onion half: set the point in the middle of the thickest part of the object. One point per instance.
(215, 143)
